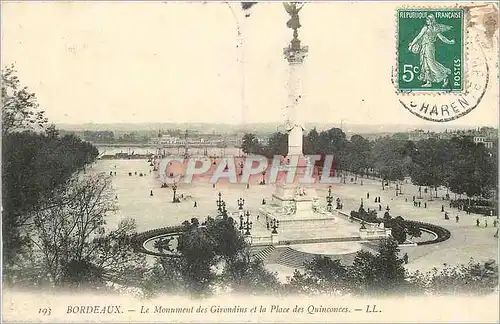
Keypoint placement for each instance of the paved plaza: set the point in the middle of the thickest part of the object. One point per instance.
(150, 212)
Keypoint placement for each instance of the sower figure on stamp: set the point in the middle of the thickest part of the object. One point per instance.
(430, 69)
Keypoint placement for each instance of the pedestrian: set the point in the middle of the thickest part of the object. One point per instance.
(425, 204)
(477, 222)
(442, 208)
(419, 204)
(406, 199)
(387, 208)
(457, 218)
(213, 185)
(151, 193)
(405, 258)
(379, 207)
(367, 195)
(495, 223)
(257, 216)
(195, 204)
(413, 198)
(446, 215)
(485, 223)
(248, 186)
(263, 201)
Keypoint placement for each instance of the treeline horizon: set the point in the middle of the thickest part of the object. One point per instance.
(456, 163)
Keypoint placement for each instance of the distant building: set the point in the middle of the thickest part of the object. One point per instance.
(419, 135)
(482, 140)
(169, 139)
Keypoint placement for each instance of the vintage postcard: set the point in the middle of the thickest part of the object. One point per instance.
(274, 162)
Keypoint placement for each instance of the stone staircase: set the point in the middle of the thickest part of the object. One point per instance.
(289, 257)
(262, 253)
(293, 258)
(286, 256)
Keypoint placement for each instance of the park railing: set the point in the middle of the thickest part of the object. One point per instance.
(139, 239)
(441, 233)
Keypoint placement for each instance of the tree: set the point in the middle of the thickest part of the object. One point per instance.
(33, 166)
(413, 229)
(322, 275)
(312, 142)
(473, 278)
(198, 251)
(68, 241)
(362, 272)
(430, 161)
(165, 276)
(471, 168)
(357, 159)
(390, 161)
(20, 110)
(277, 145)
(248, 275)
(250, 144)
(211, 255)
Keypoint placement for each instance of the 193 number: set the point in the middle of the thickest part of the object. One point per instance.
(45, 311)
(409, 72)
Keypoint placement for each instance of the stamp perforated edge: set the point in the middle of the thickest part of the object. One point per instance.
(467, 39)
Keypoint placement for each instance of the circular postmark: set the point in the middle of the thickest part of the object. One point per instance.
(439, 82)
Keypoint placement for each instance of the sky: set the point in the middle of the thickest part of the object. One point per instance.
(132, 62)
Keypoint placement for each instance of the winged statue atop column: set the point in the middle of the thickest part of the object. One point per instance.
(293, 9)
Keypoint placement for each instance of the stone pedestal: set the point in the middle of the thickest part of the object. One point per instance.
(295, 140)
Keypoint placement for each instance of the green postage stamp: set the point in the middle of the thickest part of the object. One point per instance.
(430, 50)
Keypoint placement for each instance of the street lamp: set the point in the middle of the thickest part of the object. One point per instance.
(248, 224)
(241, 222)
(224, 210)
(219, 202)
(240, 202)
(274, 225)
(329, 199)
(174, 188)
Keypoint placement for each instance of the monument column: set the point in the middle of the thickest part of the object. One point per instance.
(295, 54)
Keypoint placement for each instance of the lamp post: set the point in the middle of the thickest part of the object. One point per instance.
(219, 202)
(174, 188)
(224, 210)
(329, 199)
(264, 177)
(274, 225)
(240, 202)
(248, 223)
(241, 222)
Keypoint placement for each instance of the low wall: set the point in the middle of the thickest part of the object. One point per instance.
(441, 234)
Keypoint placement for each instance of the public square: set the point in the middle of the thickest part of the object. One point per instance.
(150, 212)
